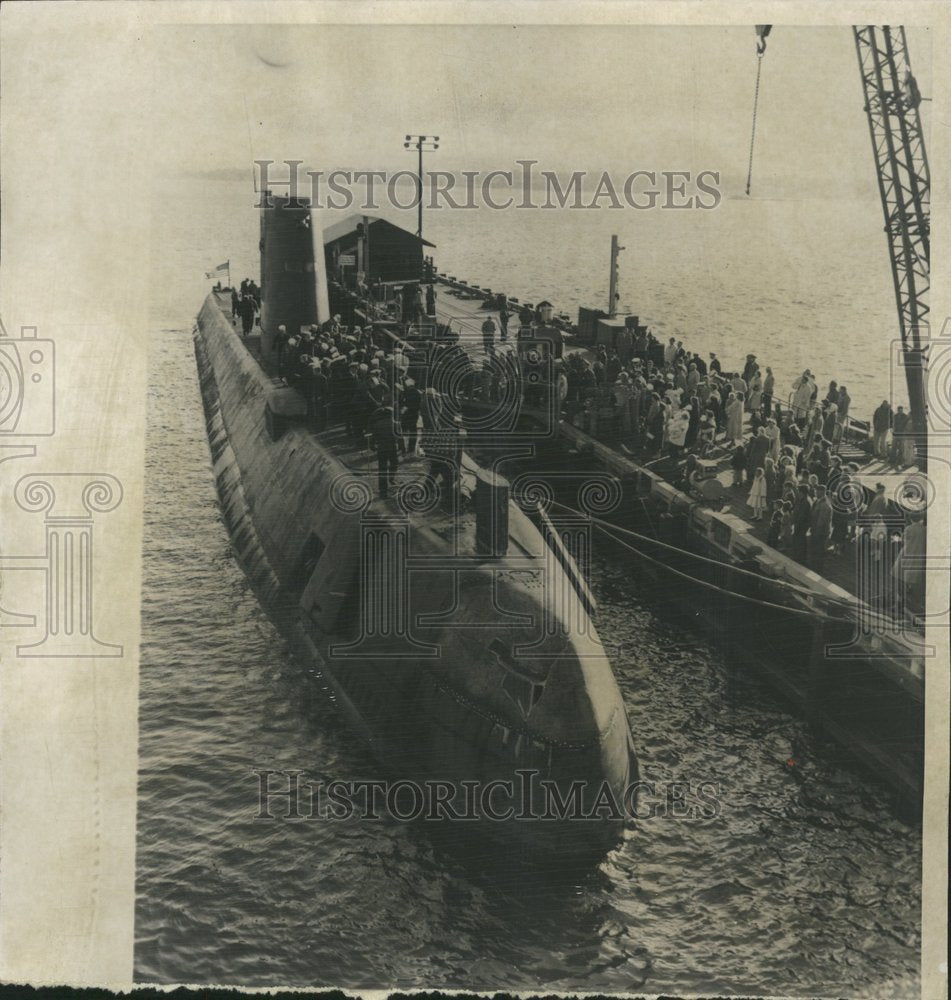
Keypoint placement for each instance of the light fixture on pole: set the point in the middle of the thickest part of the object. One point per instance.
(419, 143)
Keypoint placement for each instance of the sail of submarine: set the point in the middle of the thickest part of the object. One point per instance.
(456, 659)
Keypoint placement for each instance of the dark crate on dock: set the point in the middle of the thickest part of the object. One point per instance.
(588, 323)
(608, 329)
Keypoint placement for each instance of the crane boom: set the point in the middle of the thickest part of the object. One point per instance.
(894, 121)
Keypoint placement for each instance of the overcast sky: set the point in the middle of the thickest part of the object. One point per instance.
(618, 98)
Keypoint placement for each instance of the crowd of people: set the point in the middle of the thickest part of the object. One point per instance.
(348, 380)
(659, 400)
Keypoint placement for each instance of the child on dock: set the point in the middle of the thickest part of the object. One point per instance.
(757, 499)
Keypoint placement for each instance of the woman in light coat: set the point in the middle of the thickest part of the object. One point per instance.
(734, 417)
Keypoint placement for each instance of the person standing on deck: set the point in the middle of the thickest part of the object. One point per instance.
(830, 423)
(319, 393)
(706, 433)
(820, 529)
(612, 367)
(246, 308)
(881, 425)
(757, 497)
(878, 505)
(842, 415)
(623, 392)
(411, 402)
(670, 352)
(802, 397)
(677, 427)
(624, 343)
(734, 417)
(775, 524)
(774, 436)
(680, 378)
(488, 335)
(774, 482)
(755, 401)
(382, 426)
(756, 452)
(814, 428)
(693, 428)
(640, 344)
(903, 442)
(769, 385)
(598, 368)
(504, 316)
(802, 521)
(738, 464)
(749, 367)
(715, 364)
(430, 300)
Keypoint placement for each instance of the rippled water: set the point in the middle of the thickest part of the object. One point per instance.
(804, 882)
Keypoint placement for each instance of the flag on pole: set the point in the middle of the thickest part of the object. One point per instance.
(226, 266)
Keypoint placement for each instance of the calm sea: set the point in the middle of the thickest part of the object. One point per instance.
(804, 883)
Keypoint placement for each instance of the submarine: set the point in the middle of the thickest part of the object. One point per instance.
(456, 639)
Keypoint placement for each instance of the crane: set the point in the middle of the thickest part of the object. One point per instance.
(892, 102)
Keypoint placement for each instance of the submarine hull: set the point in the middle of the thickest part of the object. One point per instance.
(489, 685)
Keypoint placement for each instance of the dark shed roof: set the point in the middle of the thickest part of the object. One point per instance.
(345, 230)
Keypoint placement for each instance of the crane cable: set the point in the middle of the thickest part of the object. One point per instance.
(762, 30)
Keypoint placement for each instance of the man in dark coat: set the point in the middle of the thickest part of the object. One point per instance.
(383, 428)
(749, 368)
(820, 529)
(802, 521)
(319, 394)
(410, 402)
(756, 453)
(881, 425)
(246, 309)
